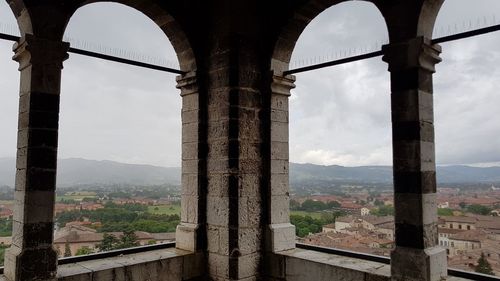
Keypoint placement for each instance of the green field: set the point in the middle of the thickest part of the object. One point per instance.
(77, 196)
(314, 215)
(173, 209)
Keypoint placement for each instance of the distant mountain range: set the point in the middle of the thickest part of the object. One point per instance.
(80, 171)
(301, 173)
(77, 171)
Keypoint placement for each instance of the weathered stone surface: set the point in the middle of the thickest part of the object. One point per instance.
(235, 189)
(302, 265)
(281, 237)
(410, 264)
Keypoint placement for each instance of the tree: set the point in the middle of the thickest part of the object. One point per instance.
(129, 239)
(483, 266)
(83, 251)
(384, 211)
(333, 204)
(294, 205)
(67, 250)
(109, 242)
(445, 212)
(311, 205)
(462, 205)
(479, 209)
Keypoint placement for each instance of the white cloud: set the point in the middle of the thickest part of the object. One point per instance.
(339, 115)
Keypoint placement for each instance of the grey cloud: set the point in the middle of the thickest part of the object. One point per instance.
(339, 115)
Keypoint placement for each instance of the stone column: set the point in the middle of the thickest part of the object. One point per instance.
(190, 233)
(281, 233)
(31, 256)
(417, 255)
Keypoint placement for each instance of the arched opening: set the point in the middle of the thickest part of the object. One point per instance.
(340, 134)
(467, 139)
(119, 136)
(9, 104)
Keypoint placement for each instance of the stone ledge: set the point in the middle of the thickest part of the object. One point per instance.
(157, 265)
(307, 265)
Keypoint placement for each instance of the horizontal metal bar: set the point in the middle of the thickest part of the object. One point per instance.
(114, 253)
(344, 253)
(386, 260)
(471, 275)
(8, 37)
(444, 39)
(110, 254)
(333, 62)
(125, 61)
(467, 34)
(107, 57)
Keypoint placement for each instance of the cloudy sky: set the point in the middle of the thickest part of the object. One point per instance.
(339, 115)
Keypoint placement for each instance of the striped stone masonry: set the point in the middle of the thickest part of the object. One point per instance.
(417, 255)
(190, 233)
(234, 165)
(40, 64)
(281, 233)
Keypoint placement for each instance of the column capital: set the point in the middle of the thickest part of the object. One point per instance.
(187, 83)
(282, 84)
(39, 51)
(418, 52)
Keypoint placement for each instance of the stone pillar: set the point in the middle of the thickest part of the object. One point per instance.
(281, 233)
(235, 212)
(31, 256)
(417, 255)
(190, 234)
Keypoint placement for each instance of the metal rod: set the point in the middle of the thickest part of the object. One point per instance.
(115, 253)
(386, 260)
(125, 61)
(333, 62)
(110, 254)
(467, 34)
(107, 57)
(443, 39)
(449, 38)
(344, 253)
(8, 37)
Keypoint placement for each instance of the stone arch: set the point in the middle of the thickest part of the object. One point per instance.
(296, 24)
(410, 19)
(166, 22)
(22, 16)
(49, 21)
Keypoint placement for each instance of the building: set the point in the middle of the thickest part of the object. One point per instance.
(234, 57)
(78, 236)
(356, 225)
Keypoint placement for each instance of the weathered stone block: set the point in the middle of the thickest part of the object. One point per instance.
(186, 236)
(279, 116)
(190, 150)
(194, 266)
(189, 184)
(279, 184)
(417, 209)
(248, 265)
(189, 206)
(279, 150)
(280, 237)
(249, 240)
(410, 264)
(249, 211)
(249, 185)
(218, 265)
(279, 132)
(218, 211)
(280, 209)
(280, 167)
